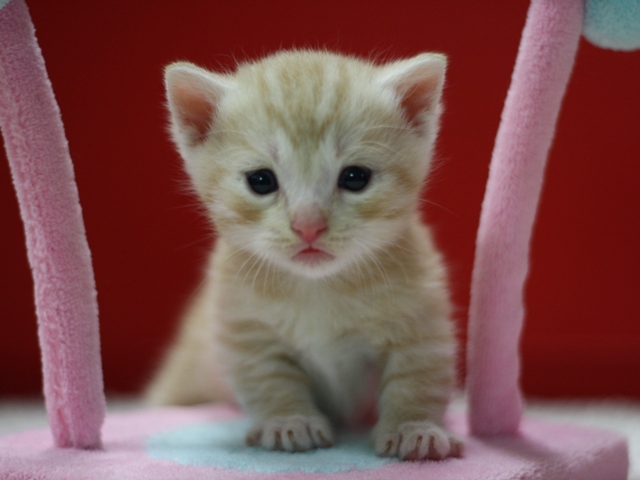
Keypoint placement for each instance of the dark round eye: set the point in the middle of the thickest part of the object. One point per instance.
(354, 178)
(262, 181)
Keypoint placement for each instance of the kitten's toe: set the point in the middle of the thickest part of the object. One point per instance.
(386, 444)
(295, 433)
(418, 441)
(321, 432)
(253, 436)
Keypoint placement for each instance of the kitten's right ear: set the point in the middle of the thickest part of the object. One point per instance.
(417, 82)
(193, 95)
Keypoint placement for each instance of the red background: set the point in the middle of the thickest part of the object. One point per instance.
(105, 61)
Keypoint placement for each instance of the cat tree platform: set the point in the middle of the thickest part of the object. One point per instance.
(207, 442)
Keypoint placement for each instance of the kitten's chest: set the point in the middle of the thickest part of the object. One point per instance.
(344, 376)
(329, 334)
(314, 315)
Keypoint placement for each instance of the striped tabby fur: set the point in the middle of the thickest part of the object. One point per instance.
(308, 342)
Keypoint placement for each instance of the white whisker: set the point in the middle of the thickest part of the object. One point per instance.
(253, 256)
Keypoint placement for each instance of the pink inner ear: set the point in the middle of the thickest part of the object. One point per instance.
(417, 98)
(196, 108)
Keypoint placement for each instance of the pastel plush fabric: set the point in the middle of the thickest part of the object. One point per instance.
(613, 24)
(496, 315)
(57, 247)
(206, 443)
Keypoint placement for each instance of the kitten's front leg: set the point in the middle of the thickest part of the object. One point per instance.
(275, 391)
(414, 393)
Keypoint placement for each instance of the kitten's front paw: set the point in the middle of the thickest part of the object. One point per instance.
(417, 441)
(294, 433)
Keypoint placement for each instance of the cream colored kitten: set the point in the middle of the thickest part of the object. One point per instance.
(323, 283)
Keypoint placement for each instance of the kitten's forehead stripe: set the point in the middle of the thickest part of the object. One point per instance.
(303, 87)
(306, 95)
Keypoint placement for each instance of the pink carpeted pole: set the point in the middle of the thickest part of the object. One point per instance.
(57, 248)
(543, 67)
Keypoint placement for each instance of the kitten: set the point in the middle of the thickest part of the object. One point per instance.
(323, 283)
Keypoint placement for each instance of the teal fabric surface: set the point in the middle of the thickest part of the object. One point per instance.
(613, 24)
(3, 3)
(220, 444)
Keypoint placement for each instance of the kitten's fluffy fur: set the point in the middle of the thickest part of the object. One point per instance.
(300, 339)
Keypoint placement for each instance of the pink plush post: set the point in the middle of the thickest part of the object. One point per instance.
(543, 67)
(58, 252)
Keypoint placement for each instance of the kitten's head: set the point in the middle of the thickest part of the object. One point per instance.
(308, 159)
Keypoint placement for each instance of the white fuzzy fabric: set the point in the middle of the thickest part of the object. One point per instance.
(621, 416)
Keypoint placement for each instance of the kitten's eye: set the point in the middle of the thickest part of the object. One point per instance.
(262, 181)
(354, 178)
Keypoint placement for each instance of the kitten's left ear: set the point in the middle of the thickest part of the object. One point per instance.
(418, 83)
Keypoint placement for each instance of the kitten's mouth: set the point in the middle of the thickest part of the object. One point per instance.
(312, 256)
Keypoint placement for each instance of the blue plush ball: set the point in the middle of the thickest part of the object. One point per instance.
(613, 24)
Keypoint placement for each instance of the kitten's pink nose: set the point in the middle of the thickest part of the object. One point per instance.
(309, 228)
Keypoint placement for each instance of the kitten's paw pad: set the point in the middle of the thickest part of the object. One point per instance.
(418, 441)
(294, 433)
